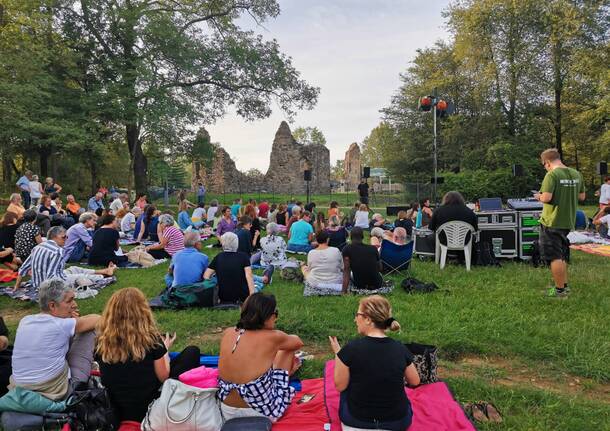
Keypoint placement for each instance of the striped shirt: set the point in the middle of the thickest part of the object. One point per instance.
(46, 261)
(175, 240)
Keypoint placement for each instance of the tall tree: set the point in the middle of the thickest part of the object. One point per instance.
(309, 136)
(165, 64)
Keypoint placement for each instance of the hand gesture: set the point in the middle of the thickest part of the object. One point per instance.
(334, 344)
(169, 340)
(75, 313)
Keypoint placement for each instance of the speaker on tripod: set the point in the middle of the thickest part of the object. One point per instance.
(366, 172)
(602, 168)
(307, 175)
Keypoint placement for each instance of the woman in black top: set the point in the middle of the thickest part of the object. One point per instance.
(105, 243)
(337, 234)
(8, 228)
(281, 216)
(370, 372)
(133, 356)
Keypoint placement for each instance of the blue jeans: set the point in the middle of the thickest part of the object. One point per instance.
(258, 279)
(79, 252)
(27, 200)
(299, 248)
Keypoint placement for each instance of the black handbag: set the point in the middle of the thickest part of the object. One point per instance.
(90, 409)
(425, 361)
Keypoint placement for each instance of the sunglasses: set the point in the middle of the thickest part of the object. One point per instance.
(276, 313)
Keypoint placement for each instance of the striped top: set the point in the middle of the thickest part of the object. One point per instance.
(46, 261)
(175, 240)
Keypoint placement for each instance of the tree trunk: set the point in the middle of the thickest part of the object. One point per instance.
(94, 184)
(138, 158)
(44, 154)
(558, 87)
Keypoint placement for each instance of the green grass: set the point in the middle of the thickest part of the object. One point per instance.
(500, 339)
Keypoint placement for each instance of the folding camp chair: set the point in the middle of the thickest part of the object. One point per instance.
(395, 258)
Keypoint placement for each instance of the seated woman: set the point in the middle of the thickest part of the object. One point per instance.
(128, 221)
(226, 223)
(361, 264)
(48, 210)
(146, 224)
(273, 249)
(324, 270)
(184, 220)
(378, 235)
(256, 361)
(403, 221)
(337, 234)
(233, 272)
(272, 216)
(106, 244)
(362, 364)
(8, 230)
(295, 217)
(171, 239)
(378, 221)
(133, 355)
(27, 235)
(255, 226)
(281, 218)
(320, 222)
(333, 209)
(361, 218)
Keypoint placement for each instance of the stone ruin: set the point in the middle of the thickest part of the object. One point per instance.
(352, 168)
(288, 161)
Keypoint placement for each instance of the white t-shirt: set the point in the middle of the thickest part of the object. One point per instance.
(198, 212)
(326, 266)
(41, 344)
(361, 219)
(116, 205)
(605, 220)
(604, 194)
(35, 189)
(212, 213)
(128, 222)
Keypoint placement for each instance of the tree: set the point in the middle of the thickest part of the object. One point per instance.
(337, 172)
(309, 136)
(163, 65)
(375, 146)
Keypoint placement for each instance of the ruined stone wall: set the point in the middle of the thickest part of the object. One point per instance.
(289, 159)
(223, 176)
(352, 168)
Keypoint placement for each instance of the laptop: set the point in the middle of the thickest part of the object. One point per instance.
(490, 204)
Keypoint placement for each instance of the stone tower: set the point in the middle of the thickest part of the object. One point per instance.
(289, 159)
(351, 166)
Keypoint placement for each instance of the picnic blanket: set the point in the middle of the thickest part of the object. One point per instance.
(7, 275)
(596, 249)
(131, 241)
(434, 407)
(27, 292)
(581, 237)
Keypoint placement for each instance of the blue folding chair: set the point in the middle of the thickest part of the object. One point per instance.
(395, 258)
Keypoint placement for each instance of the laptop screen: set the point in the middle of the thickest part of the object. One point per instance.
(490, 204)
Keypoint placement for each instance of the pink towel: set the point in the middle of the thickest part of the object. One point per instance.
(434, 407)
(200, 377)
(309, 416)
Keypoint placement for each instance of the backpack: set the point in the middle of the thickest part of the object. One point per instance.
(90, 409)
(485, 254)
(204, 294)
(292, 274)
(413, 285)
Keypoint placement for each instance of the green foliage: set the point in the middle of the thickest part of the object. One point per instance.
(309, 136)
(337, 172)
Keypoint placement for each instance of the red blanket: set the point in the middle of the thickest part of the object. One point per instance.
(434, 408)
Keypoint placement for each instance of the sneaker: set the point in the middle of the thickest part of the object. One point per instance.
(554, 293)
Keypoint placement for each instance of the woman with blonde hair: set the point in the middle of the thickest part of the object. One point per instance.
(133, 355)
(374, 358)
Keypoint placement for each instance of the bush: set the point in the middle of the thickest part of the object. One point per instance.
(485, 184)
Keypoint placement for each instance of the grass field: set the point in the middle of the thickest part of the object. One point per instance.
(544, 362)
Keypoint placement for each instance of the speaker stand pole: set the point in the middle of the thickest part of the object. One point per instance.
(308, 200)
(435, 151)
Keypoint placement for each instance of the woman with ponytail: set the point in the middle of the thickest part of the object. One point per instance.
(370, 372)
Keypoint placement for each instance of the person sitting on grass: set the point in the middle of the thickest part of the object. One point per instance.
(189, 264)
(171, 239)
(133, 355)
(53, 350)
(363, 363)
(184, 220)
(378, 221)
(47, 261)
(273, 249)
(272, 216)
(73, 208)
(337, 234)
(79, 238)
(301, 235)
(282, 216)
(602, 222)
(255, 226)
(295, 217)
(403, 221)
(211, 214)
(361, 264)
(146, 224)
(244, 234)
(106, 244)
(27, 235)
(323, 272)
(361, 218)
(236, 209)
(233, 272)
(256, 362)
(15, 205)
(226, 223)
(320, 223)
(378, 235)
(128, 221)
(199, 215)
(95, 202)
(8, 230)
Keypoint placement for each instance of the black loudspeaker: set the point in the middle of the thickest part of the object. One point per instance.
(602, 168)
(366, 172)
(307, 175)
(517, 170)
(439, 180)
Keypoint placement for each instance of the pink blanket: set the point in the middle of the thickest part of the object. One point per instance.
(433, 408)
(200, 377)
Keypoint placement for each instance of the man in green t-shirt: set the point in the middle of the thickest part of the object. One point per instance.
(560, 192)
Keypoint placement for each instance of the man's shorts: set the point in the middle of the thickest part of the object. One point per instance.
(554, 244)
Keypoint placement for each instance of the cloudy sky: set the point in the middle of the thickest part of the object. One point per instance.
(354, 51)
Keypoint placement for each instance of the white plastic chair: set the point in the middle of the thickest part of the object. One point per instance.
(456, 232)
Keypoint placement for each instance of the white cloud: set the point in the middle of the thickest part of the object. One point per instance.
(354, 51)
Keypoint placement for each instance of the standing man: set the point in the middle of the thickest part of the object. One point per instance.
(201, 194)
(560, 192)
(363, 191)
(24, 187)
